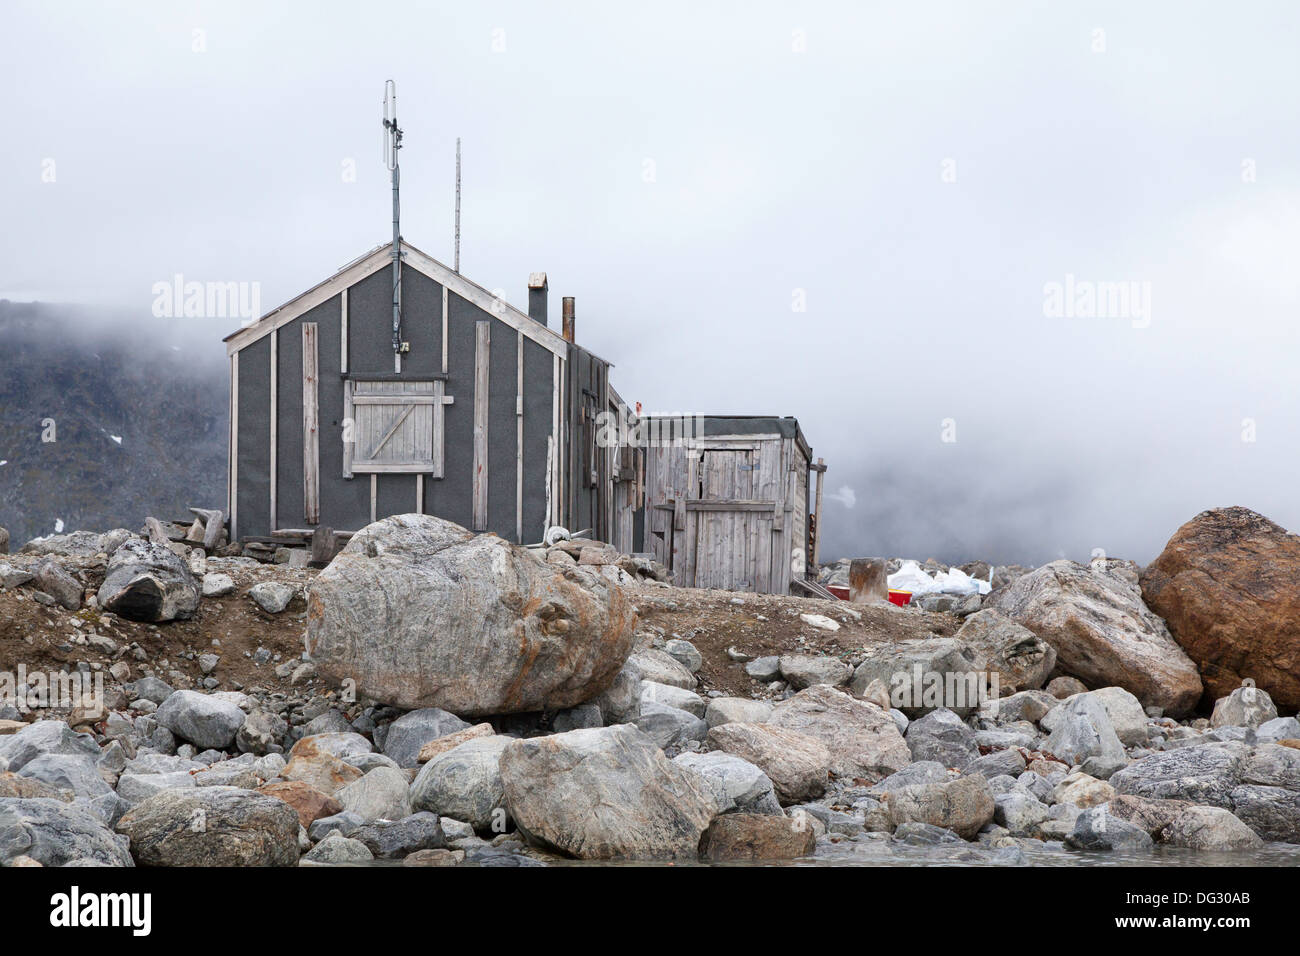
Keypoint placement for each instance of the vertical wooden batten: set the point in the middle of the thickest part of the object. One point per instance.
(444, 330)
(275, 386)
(482, 354)
(232, 505)
(310, 425)
(519, 444)
(343, 332)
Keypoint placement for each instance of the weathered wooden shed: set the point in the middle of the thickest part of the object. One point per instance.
(727, 507)
(480, 417)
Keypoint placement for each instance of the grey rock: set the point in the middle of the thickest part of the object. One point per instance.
(273, 597)
(916, 774)
(924, 675)
(1272, 812)
(137, 787)
(1085, 736)
(998, 762)
(44, 737)
(1096, 829)
(55, 833)
(944, 737)
(582, 717)
(764, 668)
(380, 794)
(261, 732)
(620, 702)
(464, 783)
(669, 726)
(863, 740)
(389, 840)
(1019, 813)
(410, 732)
(217, 585)
(738, 785)
(607, 793)
(1018, 656)
(150, 688)
(1209, 828)
(1280, 728)
(963, 805)
(51, 578)
(203, 719)
(662, 668)
(1205, 775)
(212, 826)
(685, 653)
(670, 696)
(148, 582)
(1246, 706)
(344, 824)
(727, 710)
(806, 670)
(339, 851)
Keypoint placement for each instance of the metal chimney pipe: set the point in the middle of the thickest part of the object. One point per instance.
(567, 312)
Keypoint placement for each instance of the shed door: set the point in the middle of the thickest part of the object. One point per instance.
(733, 544)
(396, 427)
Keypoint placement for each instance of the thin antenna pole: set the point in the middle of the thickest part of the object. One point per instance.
(394, 143)
(457, 258)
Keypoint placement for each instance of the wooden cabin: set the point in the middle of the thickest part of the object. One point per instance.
(727, 506)
(485, 415)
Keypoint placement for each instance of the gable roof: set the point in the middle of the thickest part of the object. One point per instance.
(379, 258)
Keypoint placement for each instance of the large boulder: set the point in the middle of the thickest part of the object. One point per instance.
(754, 836)
(943, 737)
(1084, 737)
(44, 737)
(54, 833)
(738, 785)
(963, 805)
(1226, 585)
(1019, 657)
(798, 765)
(212, 826)
(408, 734)
(923, 675)
(381, 794)
(1205, 774)
(464, 783)
(606, 793)
(1102, 632)
(148, 582)
(1209, 828)
(863, 740)
(203, 719)
(419, 612)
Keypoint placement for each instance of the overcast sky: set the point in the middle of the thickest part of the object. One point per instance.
(850, 213)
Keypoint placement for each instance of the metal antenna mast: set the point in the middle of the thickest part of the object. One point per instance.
(457, 259)
(392, 143)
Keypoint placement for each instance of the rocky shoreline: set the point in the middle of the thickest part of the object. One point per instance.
(456, 700)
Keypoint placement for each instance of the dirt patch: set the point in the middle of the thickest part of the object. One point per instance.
(233, 627)
(764, 624)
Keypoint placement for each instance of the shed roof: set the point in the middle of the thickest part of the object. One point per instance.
(378, 258)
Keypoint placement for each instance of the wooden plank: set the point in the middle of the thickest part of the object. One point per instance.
(343, 332)
(349, 428)
(519, 442)
(401, 417)
(817, 526)
(310, 425)
(419, 494)
(482, 355)
(275, 420)
(233, 483)
(444, 330)
(374, 497)
(438, 430)
(324, 545)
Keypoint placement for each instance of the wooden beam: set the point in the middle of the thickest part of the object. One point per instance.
(482, 355)
(233, 484)
(519, 443)
(343, 332)
(374, 497)
(444, 330)
(820, 468)
(275, 423)
(310, 425)
(349, 428)
(419, 494)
